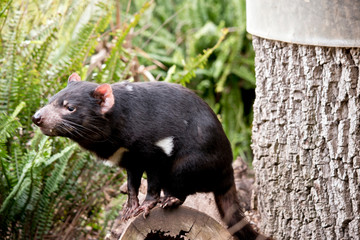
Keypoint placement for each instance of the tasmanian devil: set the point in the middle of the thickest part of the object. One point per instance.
(159, 128)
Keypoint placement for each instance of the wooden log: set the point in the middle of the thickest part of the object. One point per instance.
(179, 223)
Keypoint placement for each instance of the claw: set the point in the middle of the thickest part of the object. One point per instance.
(145, 207)
(146, 212)
(170, 201)
(145, 215)
(129, 210)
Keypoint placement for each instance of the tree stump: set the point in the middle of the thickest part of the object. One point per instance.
(174, 224)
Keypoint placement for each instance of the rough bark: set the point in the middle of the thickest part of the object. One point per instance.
(306, 140)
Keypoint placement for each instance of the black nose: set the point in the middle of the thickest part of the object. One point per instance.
(37, 118)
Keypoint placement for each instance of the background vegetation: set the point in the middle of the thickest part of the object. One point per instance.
(50, 188)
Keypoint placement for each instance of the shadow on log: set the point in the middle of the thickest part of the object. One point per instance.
(174, 224)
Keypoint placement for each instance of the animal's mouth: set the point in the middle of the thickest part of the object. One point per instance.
(48, 119)
(48, 131)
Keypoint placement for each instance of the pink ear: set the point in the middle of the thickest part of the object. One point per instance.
(105, 94)
(74, 78)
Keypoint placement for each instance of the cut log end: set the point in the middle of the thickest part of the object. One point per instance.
(174, 224)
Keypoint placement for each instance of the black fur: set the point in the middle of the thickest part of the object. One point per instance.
(143, 114)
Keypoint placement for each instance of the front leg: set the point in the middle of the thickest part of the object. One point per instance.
(152, 195)
(133, 183)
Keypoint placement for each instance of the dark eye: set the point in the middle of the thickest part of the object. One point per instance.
(70, 108)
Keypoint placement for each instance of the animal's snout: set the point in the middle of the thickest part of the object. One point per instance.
(36, 118)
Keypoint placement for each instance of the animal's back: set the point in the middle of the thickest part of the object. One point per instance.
(167, 108)
(200, 158)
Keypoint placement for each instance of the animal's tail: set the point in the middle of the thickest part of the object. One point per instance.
(231, 213)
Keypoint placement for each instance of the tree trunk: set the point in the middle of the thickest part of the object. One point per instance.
(306, 140)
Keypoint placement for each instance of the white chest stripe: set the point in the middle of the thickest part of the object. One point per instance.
(115, 159)
(166, 144)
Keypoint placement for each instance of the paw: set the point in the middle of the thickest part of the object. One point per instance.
(131, 206)
(128, 213)
(144, 208)
(170, 202)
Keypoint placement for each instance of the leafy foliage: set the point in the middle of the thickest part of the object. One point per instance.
(114, 67)
(35, 56)
(40, 193)
(200, 61)
(31, 192)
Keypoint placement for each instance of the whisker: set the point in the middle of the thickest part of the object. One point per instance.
(85, 132)
(82, 127)
(76, 131)
(65, 127)
(73, 131)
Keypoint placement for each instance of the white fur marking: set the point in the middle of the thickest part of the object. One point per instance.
(115, 159)
(166, 144)
(129, 88)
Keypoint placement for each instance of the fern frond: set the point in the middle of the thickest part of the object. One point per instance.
(32, 196)
(75, 169)
(9, 68)
(84, 42)
(198, 62)
(113, 212)
(4, 8)
(31, 159)
(41, 54)
(44, 213)
(108, 74)
(9, 124)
